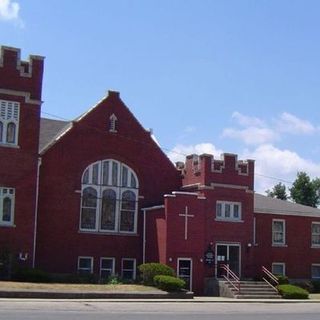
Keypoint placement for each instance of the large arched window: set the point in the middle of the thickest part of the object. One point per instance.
(109, 198)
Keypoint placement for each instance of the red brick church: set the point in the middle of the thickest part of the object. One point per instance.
(98, 195)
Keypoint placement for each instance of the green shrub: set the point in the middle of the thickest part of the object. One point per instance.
(282, 279)
(315, 286)
(169, 283)
(31, 275)
(150, 270)
(289, 291)
(307, 285)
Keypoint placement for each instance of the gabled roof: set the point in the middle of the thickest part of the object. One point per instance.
(268, 205)
(50, 130)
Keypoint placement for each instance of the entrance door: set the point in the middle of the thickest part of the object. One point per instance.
(185, 271)
(228, 254)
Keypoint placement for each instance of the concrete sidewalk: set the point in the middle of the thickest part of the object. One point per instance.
(135, 297)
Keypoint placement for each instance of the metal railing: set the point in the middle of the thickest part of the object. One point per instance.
(231, 277)
(271, 280)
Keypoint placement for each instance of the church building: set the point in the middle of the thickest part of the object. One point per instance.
(98, 195)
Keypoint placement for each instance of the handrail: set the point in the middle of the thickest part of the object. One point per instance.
(271, 277)
(234, 281)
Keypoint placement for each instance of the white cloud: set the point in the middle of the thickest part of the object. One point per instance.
(251, 135)
(291, 124)
(281, 164)
(9, 11)
(247, 121)
(179, 152)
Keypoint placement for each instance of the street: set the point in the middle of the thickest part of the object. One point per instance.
(98, 310)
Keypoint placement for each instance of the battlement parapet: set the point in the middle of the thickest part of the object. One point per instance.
(20, 75)
(204, 169)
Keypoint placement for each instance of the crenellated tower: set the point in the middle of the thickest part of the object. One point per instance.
(20, 104)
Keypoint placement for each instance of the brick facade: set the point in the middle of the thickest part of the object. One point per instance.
(202, 205)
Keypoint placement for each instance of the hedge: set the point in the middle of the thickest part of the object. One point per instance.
(169, 283)
(289, 291)
(150, 270)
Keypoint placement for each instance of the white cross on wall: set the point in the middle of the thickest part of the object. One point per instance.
(186, 216)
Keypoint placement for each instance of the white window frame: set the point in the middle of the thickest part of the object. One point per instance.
(91, 264)
(6, 118)
(282, 264)
(283, 243)
(105, 269)
(134, 267)
(10, 193)
(100, 187)
(315, 265)
(191, 269)
(232, 204)
(315, 245)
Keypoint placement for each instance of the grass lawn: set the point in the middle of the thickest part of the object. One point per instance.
(10, 285)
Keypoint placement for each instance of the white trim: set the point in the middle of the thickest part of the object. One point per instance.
(224, 185)
(113, 265)
(91, 263)
(232, 205)
(315, 245)
(185, 193)
(283, 243)
(227, 244)
(279, 264)
(134, 267)
(191, 269)
(11, 194)
(153, 208)
(23, 94)
(315, 265)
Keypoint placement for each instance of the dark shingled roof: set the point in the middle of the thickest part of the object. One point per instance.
(264, 204)
(49, 130)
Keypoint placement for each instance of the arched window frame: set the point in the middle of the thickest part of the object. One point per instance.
(7, 193)
(9, 117)
(107, 174)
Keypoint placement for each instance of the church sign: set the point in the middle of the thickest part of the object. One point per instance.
(209, 256)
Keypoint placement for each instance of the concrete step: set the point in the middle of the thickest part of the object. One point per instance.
(256, 296)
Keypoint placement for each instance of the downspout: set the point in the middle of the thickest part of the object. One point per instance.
(144, 237)
(36, 215)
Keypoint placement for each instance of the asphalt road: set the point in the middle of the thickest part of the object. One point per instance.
(98, 310)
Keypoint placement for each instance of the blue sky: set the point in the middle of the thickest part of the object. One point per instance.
(206, 76)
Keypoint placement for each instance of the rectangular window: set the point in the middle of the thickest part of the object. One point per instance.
(9, 122)
(106, 267)
(315, 271)
(226, 210)
(279, 268)
(7, 206)
(128, 270)
(315, 234)
(278, 232)
(85, 265)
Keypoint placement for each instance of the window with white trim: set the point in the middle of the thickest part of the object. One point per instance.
(113, 123)
(315, 234)
(227, 210)
(315, 271)
(7, 206)
(85, 265)
(128, 269)
(106, 268)
(279, 268)
(9, 122)
(109, 200)
(278, 232)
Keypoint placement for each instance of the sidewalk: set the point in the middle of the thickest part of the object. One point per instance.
(132, 297)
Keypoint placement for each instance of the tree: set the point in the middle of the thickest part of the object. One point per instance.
(305, 191)
(278, 191)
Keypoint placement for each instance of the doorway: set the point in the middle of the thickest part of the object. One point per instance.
(228, 254)
(185, 271)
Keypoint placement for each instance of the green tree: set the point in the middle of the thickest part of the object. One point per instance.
(305, 191)
(278, 191)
